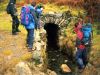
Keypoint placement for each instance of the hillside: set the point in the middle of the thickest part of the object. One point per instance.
(13, 50)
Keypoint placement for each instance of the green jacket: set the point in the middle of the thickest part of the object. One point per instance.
(12, 7)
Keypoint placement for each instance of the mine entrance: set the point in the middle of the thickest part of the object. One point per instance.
(54, 52)
(53, 48)
(52, 36)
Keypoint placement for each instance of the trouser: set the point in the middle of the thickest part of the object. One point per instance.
(81, 58)
(15, 23)
(30, 37)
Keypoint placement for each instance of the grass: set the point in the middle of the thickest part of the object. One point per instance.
(6, 23)
(26, 56)
(3, 7)
(7, 52)
(60, 9)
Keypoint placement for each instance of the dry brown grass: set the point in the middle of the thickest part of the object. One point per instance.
(58, 2)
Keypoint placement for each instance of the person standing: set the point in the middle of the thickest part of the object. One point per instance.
(29, 20)
(12, 10)
(39, 10)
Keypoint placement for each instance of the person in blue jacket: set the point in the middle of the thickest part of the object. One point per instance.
(39, 9)
(30, 28)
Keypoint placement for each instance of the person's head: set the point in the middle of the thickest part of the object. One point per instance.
(12, 1)
(40, 6)
(33, 3)
(88, 19)
(80, 20)
(76, 24)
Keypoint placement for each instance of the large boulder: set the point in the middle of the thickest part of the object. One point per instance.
(23, 69)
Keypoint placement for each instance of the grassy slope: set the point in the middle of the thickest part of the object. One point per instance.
(55, 8)
(5, 25)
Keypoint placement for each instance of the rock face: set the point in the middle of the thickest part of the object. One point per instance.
(54, 18)
(23, 69)
(37, 56)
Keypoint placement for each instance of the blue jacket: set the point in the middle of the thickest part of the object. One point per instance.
(38, 12)
(33, 23)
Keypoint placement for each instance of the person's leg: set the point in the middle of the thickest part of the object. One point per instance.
(79, 59)
(27, 39)
(13, 25)
(30, 38)
(84, 57)
(17, 24)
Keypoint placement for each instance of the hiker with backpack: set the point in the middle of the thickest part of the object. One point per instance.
(11, 9)
(39, 10)
(83, 31)
(29, 21)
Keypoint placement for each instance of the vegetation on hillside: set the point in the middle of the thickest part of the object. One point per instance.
(58, 6)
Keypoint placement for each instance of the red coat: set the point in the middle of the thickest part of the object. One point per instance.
(79, 33)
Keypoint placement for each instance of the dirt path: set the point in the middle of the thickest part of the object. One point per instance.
(12, 49)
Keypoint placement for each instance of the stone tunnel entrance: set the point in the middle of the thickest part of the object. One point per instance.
(52, 24)
(53, 48)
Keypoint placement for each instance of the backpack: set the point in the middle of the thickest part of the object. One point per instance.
(87, 29)
(26, 16)
(38, 12)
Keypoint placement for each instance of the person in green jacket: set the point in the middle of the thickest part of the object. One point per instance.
(12, 10)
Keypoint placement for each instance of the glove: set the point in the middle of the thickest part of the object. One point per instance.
(16, 14)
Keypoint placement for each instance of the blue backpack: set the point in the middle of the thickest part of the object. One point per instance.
(87, 29)
(38, 12)
(26, 16)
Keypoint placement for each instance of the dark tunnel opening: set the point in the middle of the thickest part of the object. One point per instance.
(52, 36)
(52, 46)
(54, 54)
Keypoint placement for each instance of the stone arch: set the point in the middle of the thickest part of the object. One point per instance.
(57, 19)
(53, 24)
